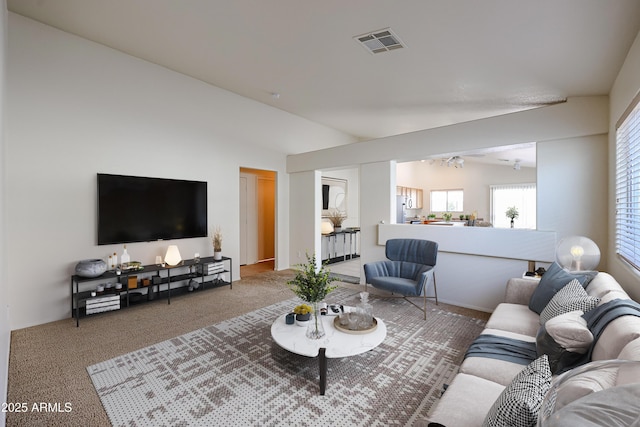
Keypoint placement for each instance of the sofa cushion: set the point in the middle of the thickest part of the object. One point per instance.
(617, 406)
(514, 318)
(396, 285)
(564, 339)
(615, 336)
(631, 351)
(551, 282)
(583, 381)
(610, 296)
(519, 403)
(602, 284)
(570, 298)
(499, 371)
(475, 395)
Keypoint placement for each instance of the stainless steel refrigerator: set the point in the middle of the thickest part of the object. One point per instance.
(401, 211)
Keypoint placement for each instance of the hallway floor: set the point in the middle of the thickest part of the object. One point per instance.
(347, 268)
(253, 269)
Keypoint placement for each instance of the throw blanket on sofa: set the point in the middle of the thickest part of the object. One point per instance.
(598, 318)
(502, 348)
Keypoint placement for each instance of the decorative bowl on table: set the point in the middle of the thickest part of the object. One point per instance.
(91, 268)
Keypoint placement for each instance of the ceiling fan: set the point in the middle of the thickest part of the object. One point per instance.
(455, 161)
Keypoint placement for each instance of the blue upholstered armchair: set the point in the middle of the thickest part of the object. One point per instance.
(410, 264)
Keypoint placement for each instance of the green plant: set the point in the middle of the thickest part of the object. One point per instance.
(311, 284)
(431, 216)
(447, 216)
(512, 213)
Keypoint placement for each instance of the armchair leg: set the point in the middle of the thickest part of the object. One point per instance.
(424, 309)
(435, 288)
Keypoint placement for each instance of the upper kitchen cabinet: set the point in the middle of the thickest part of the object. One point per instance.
(412, 196)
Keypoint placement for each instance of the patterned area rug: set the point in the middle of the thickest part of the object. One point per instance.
(233, 374)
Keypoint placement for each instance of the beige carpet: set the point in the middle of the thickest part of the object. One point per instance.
(48, 363)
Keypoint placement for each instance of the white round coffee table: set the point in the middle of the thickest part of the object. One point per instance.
(333, 345)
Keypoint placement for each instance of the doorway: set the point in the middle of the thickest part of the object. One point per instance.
(257, 221)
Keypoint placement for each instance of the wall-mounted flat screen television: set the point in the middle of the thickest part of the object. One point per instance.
(140, 209)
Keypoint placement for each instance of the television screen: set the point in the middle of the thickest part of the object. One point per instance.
(139, 209)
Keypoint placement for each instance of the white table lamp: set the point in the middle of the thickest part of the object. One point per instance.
(172, 258)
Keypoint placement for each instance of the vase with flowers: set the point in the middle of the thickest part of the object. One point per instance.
(512, 213)
(216, 240)
(312, 284)
(337, 218)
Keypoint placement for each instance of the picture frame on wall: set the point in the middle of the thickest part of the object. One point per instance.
(334, 195)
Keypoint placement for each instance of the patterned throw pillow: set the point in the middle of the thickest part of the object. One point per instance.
(551, 282)
(570, 298)
(518, 404)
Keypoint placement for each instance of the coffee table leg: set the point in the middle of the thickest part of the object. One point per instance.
(323, 370)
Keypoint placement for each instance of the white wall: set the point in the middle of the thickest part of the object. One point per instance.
(625, 88)
(304, 211)
(377, 205)
(475, 179)
(5, 334)
(76, 108)
(572, 189)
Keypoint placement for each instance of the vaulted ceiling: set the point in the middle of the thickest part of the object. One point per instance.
(462, 59)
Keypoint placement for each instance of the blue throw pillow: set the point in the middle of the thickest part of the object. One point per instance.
(551, 282)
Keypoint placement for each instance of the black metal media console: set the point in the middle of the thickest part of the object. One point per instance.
(149, 283)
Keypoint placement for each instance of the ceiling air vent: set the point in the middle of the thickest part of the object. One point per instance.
(380, 41)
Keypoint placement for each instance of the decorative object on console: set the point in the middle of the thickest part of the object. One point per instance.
(577, 253)
(172, 258)
(512, 213)
(113, 262)
(125, 258)
(131, 266)
(337, 218)
(326, 227)
(312, 284)
(216, 239)
(91, 268)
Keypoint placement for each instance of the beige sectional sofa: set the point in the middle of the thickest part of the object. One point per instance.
(481, 380)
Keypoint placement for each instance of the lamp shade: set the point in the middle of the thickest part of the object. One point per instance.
(172, 257)
(577, 253)
(326, 227)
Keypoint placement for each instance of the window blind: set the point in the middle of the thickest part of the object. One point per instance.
(628, 185)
